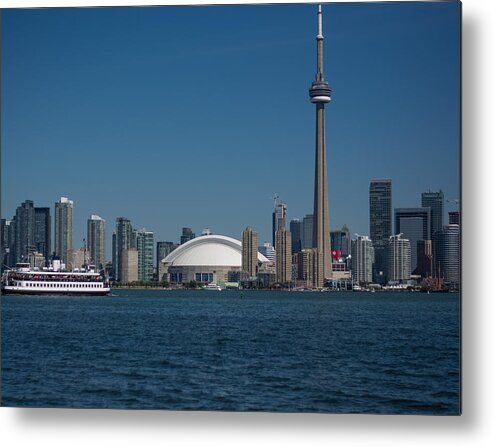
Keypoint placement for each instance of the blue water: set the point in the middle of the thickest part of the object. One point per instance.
(260, 351)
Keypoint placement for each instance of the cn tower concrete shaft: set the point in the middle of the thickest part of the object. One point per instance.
(320, 95)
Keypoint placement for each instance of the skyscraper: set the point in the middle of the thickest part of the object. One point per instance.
(341, 240)
(283, 256)
(268, 251)
(278, 219)
(448, 254)
(42, 231)
(24, 231)
(249, 256)
(320, 95)
(425, 256)
(380, 224)
(64, 210)
(414, 224)
(307, 238)
(145, 247)
(186, 235)
(454, 218)
(163, 249)
(96, 240)
(434, 201)
(295, 228)
(123, 239)
(363, 256)
(399, 259)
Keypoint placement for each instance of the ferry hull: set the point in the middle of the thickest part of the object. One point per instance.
(17, 291)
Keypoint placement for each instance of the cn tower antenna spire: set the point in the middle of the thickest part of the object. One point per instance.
(320, 47)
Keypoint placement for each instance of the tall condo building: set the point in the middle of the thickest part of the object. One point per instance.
(307, 266)
(24, 231)
(278, 219)
(77, 258)
(307, 232)
(399, 259)
(414, 224)
(380, 225)
(363, 256)
(283, 256)
(64, 211)
(4, 242)
(320, 95)
(123, 240)
(96, 240)
(249, 252)
(42, 231)
(295, 226)
(129, 265)
(186, 235)
(8, 238)
(145, 247)
(448, 254)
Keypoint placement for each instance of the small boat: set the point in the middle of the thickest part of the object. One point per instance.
(212, 286)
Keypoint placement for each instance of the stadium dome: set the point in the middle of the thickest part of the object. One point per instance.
(208, 258)
(209, 250)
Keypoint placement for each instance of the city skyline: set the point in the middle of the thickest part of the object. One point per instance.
(102, 173)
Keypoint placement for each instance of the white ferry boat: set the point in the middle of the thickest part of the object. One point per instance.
(212, 286)
(53, 281)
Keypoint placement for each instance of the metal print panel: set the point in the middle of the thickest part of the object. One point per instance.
(233, 208)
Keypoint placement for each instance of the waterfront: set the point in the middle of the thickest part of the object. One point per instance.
(251, 351)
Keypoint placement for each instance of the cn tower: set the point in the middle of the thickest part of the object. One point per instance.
(320, 95)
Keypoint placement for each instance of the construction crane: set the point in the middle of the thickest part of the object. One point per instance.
(275, 197)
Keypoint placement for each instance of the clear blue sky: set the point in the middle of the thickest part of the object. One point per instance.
(196, 116)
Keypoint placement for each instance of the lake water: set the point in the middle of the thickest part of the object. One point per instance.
(335, 352)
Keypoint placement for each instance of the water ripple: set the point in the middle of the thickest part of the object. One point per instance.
(270, 351)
